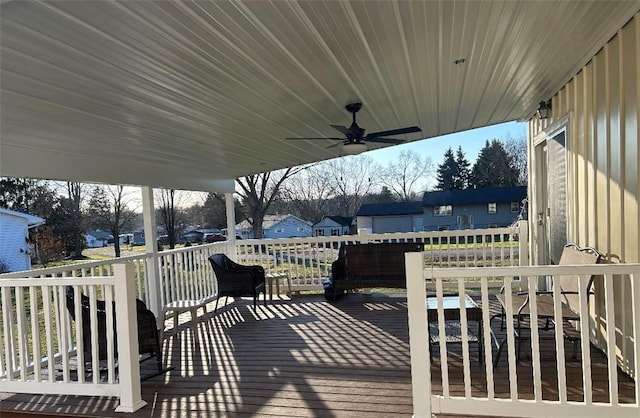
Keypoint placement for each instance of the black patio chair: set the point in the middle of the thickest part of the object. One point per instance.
(237, 280)
(148, 336)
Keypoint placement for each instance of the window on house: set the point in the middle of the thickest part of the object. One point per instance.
(319, 232)
(445, 210)
(492, 208)
(335, 232)
(515, 207)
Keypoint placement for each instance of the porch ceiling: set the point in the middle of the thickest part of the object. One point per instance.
(185, 94)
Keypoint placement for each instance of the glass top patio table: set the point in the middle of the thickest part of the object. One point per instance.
(450, 302)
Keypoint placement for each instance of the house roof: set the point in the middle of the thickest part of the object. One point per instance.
(179, 98)
(32, 221)
(269, 221)
(342, 220)
(98, 234)
(470, 196)
(395, 208)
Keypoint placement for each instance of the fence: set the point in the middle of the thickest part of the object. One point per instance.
(618, 317)
(43, 351)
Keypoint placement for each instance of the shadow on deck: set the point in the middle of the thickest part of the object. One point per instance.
(303, 357)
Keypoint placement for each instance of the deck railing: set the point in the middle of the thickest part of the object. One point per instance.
(307, 261)
(617, 320)
(36, 351)
(43, 351)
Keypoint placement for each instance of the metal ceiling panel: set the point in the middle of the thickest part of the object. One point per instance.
(183, 94)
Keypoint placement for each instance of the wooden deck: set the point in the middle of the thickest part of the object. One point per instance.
(299, 358)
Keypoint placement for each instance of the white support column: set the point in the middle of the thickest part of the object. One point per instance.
(150, 238)
(418, 336)
(127, 328)
(231, 221)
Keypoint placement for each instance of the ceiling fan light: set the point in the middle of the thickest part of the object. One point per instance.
(354, 148)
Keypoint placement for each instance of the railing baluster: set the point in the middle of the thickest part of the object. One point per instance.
(585, 345)
(35, 333)
(442, 335)
(466, 362)
(611, 339)
(513, 378)
(535, 342)
(487, 337)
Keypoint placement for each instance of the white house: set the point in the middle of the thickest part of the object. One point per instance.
(277, 226)
(333, 226)
(15, 251)
(97, 238)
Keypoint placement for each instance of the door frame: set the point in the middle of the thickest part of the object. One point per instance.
(539, 216)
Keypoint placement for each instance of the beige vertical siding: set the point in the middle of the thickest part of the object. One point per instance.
(602, 104)
(603, 152)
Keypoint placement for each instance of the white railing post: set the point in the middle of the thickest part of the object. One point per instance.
(151, 269)
(523, 243)
(127, 327)
(231, 223)
(418, 336)
(363, 236)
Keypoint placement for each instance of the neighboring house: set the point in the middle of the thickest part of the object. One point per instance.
(333, 226)
(472, 208)
(277, 226)
(390, 217)
(97, 238)
(15, 248)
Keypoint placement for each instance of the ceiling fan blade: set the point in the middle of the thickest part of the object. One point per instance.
(400, 131)
(341, 128)
(385, 140)
(333, 139)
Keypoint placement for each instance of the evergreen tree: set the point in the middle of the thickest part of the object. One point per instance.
(447, 171)
(494, 167)
(463, 175)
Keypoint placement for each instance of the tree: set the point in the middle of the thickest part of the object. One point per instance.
(27, 195)
(73, 222)
(516, 147)
(405, 177)
(258, 191)
(109, 209)
(309, 192)
(463, 174)
(168, 214)
(214, 211)
(351, 181)
(383, 196)
(446, 173)
(494, 167)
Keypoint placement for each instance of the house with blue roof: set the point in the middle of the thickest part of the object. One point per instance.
(391, 217)
(446, 210)
(334, 226)
(277, 226)
(472, 208)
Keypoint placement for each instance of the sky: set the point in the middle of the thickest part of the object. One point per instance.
(471, 141)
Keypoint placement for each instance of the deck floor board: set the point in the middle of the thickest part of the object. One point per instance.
(305, 357)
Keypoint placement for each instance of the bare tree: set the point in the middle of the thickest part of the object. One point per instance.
(406, 177)
(169, 212)
(258, 191)
(351, 181)
(112, 208)
(516, 147)
(75, 196)
(309, 192)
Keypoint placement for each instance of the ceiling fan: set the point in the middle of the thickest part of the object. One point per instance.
(354, 140)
